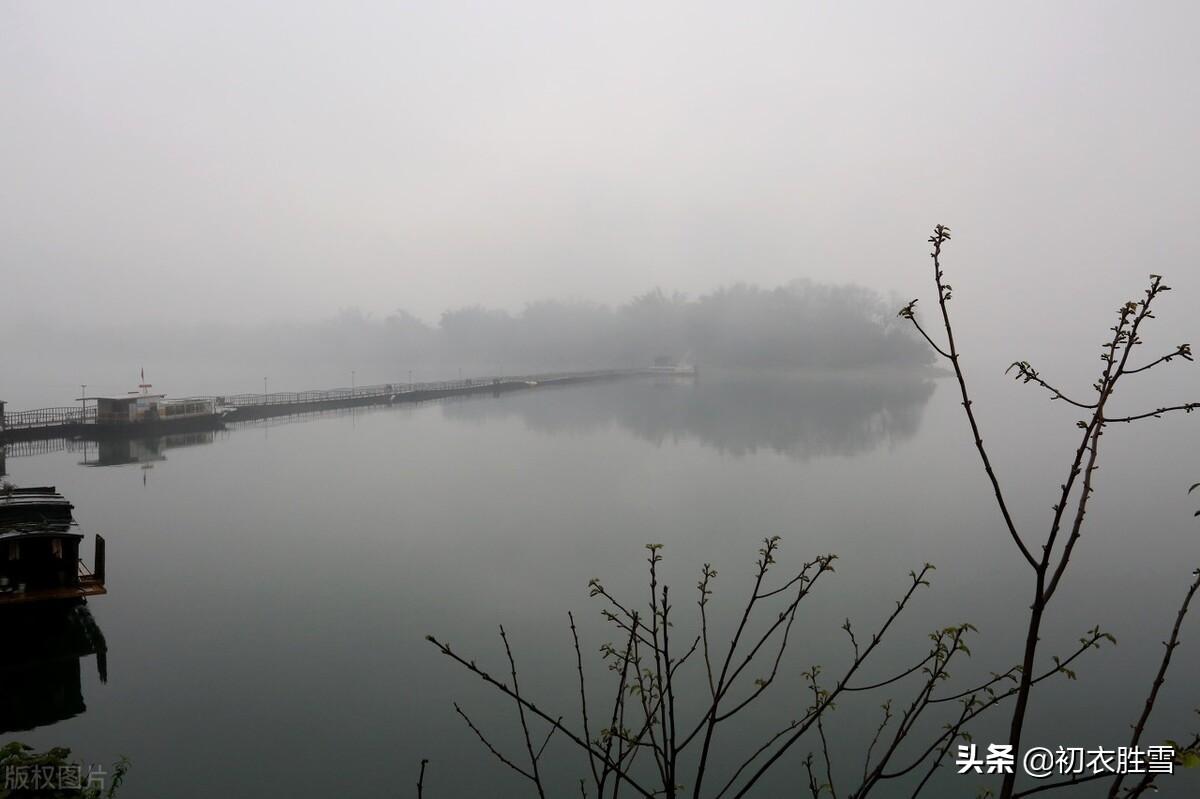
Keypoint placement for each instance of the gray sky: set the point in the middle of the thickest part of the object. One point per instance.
(221, 161)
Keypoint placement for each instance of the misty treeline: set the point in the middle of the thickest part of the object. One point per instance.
(802, 324)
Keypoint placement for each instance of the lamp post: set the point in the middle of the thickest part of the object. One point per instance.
(82, 402)
(264, 389)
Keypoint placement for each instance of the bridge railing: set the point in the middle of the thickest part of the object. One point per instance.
(384, 390)
(47, 417)
(54, 417)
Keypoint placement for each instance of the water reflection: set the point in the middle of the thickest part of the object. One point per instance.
(41, 671)
(122, 451)
(455, 517)
(799, 415)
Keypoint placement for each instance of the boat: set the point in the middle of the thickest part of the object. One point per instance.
(39, 549)
(142, 411)
(134, 412)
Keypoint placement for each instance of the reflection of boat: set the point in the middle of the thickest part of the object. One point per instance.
(121, 451)
(39, 549)
(40, 674)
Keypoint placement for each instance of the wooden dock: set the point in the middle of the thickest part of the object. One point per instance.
(81, 423)
(88, 586)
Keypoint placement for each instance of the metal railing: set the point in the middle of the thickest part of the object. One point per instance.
(57, 417)
(47, 417)
(386, 390)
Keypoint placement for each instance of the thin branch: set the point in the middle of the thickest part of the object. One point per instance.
(813, 788)
(533, 758)
(941, 234)
(545, 743)
(707, 573)
(784, 619)
(937, 761)
(821, 734)
(759, 752)
(651, 707)
(587, 727)
(709, 722)
(918, 580)
(1008, 675)
(943, 654)
(1027, 374)
(1157, 413)
(909, 312)
(595, 588)
(1125, 338)
(680, 661)
(532, 708)
(618, 720)
(669, 692)
(491, 748)
(1182, 351)
(887, 717)
(1085, 495)
(978, 707)
(897, 678)
(1171, 644)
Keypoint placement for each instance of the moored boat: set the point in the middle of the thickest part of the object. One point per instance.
(39, 549)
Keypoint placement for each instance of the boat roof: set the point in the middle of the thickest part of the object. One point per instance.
(42, 531)
(35, 511)
(121, 397)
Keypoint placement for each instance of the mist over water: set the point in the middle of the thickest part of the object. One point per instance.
(801, 325)
(232, 198)
(270, 586)
(801, 415)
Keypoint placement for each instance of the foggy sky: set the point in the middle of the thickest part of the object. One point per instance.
(224, 161)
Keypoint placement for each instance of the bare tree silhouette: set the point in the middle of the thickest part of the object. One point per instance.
(1076, 492)
(654, 739)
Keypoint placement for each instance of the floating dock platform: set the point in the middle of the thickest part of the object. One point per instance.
(143, 414)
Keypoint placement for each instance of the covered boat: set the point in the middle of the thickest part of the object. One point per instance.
(39, 549)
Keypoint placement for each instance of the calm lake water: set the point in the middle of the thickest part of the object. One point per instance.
(271, 585)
